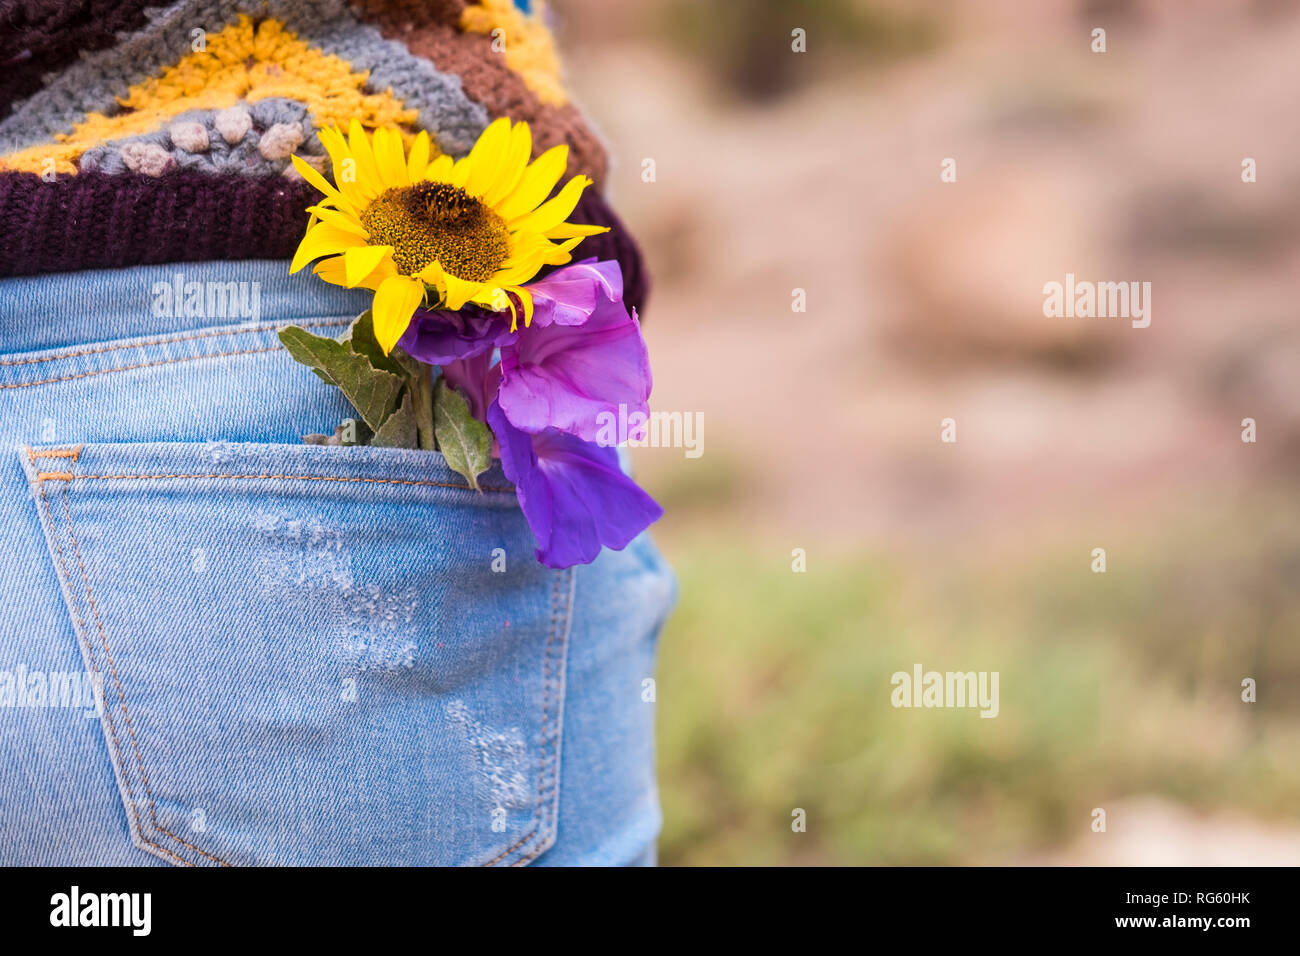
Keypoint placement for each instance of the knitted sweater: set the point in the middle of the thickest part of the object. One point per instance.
(139, 131)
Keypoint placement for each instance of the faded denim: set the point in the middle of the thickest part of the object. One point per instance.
(308, 655)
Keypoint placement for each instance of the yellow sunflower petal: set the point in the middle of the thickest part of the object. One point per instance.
(492, 296)
(368, 177)
(518, 273)
(486, 156)
(384, 270)
(322, 240)
(335, 140)
(331, 137)
(528, 251)
(396, 300)
(346, 174)
(390, 158)
(318, 182)
(363, 260)
(439, 171)
(535, 184)
(335, 272)
(553, 212)
(331, 270)
(532, 257)
(418, 160)
(519, 269)
(526, 300)
(567, 230)
(460, 172)
(513, 165)
(508, 273)
(559, 255)
(340, 220)
(459, 291)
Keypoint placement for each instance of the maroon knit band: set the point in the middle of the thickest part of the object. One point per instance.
(94, 221)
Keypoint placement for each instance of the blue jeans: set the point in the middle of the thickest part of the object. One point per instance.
(221, 646)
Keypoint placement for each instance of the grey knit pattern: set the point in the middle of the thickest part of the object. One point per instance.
(249, 139)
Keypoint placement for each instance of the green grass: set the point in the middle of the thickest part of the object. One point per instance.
(774, 694)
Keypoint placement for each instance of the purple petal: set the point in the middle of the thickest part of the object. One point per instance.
(441, 337)
(477, 379)
(580, 379)
(573, 493)
(568, 296)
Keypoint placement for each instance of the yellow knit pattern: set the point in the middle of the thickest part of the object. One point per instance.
(243, 61)
(529, 47)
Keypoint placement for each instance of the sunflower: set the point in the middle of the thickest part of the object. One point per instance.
(439, 232)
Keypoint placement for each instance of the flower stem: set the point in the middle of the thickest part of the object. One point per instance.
(422, 395)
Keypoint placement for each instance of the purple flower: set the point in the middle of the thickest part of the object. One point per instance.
(477, 379)
(574, 377)
(568, 296)
(573, 493)
(440, 337)
(581, 366)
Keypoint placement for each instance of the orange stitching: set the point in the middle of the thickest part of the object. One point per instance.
(211, 333)
(54, 476)
(370, 481)
(121, 696)
(81, 624)
(520, 842)
(73, 453)
(130, 368)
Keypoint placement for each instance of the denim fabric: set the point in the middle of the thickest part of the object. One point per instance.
(307, 654)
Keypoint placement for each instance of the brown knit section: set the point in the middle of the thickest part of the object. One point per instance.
(417, 13)
(427, 28)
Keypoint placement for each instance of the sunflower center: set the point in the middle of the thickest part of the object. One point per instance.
(439, 222)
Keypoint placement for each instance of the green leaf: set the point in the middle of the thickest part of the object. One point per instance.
(361, 339)
(418, 375)
(410, 367)
(422, 391)
(463, 440)
(399, 430)
(373, 392)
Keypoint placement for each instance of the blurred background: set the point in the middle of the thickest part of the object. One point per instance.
(776, 171)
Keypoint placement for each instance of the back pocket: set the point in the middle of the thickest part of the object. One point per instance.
(312, 655)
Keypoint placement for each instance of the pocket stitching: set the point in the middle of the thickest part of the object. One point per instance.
(119, 346)
(121, 695)
(83, 636)
(130, 368)
(65, 476)
(161, 362)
